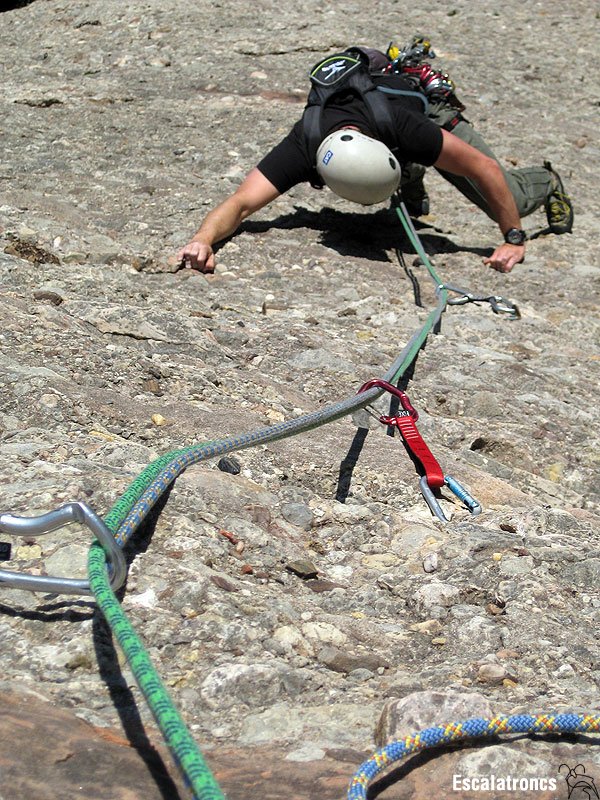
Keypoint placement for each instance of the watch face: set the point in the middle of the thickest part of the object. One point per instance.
(515, 236)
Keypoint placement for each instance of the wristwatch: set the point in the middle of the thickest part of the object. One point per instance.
(515, 236)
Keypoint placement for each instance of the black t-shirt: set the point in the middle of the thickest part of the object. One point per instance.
(418, 138)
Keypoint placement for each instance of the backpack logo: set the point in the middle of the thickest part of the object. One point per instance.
(333, 70)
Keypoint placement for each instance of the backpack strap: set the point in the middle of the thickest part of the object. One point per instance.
(341, 72)
(378, 109)
(405, 93)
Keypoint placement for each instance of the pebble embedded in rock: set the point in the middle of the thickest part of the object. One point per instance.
(342, 661)
(298, 514)
(419, 710)
(430, 562)
(491, 673)
(229, 464)
(302, 568)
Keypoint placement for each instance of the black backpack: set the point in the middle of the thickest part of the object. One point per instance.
(352, 70)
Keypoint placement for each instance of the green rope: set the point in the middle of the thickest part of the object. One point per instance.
(416, 242)
(177, 736)
(441, 292)
(137, 487)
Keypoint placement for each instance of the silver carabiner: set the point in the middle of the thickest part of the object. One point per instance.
(499, 305)
(46, 523)
(457, 489)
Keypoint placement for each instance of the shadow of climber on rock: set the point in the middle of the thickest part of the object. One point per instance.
(359, 235)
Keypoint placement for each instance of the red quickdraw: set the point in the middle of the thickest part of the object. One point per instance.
(417, 446)
(434, 477)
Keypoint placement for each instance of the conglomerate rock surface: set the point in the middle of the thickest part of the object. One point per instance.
(299, 612)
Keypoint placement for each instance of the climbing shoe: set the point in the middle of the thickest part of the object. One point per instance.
(415, 198)
(559, 209)
(418, 207)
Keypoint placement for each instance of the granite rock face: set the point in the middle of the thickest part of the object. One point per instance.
(297, 596)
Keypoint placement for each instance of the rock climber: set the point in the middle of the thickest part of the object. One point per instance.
(372, 124)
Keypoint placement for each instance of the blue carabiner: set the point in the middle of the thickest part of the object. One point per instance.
(455, 487)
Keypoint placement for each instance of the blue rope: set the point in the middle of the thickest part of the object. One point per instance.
(474, 728)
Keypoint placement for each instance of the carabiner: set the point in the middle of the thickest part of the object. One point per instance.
(434, 476)
(455, 487)
(45, 523)
(378, 383)
(500, 305)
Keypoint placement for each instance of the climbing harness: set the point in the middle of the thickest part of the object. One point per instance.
(107, 569)
(433, 478)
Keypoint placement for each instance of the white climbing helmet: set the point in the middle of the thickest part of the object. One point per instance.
(357, 167)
